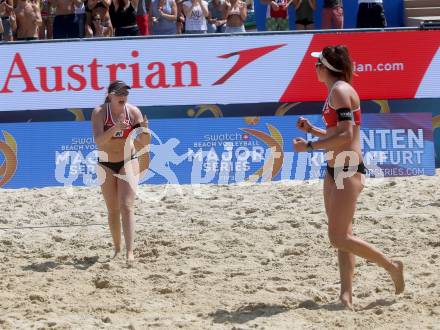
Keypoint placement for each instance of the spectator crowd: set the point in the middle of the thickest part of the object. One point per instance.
(62, 19)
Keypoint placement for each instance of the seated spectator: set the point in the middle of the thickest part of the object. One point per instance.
(216, 17)
(163, 16)
(45, 30)
(8, 19)
(64, 24)
(180, 23)
(304, 10)
(123, 16)
(371, 14)
(142, 17)
(28, 17)
(195, 12)
(236, 13)
(332, 15)
(98, 19)
(277, 16)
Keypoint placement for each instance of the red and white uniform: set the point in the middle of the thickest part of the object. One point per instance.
(109, 122)
(330, 117)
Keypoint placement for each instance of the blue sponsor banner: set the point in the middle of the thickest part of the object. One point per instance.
(240, 110)
(211, 150)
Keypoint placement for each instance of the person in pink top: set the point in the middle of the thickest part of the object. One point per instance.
(332, 15)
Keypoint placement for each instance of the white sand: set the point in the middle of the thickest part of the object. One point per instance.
(233, 257)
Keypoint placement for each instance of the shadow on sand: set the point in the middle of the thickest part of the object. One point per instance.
(81, 264)
(247, 313)
(337, 306)
(311, 305)
(379, 303)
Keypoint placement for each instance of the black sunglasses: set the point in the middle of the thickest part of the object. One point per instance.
(121, 93)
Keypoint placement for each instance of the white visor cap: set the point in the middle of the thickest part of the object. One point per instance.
(324, 61)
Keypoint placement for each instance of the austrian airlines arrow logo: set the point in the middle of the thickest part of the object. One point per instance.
(245, 57)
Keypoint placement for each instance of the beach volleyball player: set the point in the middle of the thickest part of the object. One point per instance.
(345, 170)
(112, 123)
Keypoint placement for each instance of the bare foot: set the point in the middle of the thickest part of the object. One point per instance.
(397, 276)
(116, 254)
(130, 256)
(346, 300)
(130, 260)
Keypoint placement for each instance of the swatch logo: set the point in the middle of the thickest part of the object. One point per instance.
(8, 151)
(273, 164)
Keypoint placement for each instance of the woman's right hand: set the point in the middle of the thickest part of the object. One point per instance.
(304, 125)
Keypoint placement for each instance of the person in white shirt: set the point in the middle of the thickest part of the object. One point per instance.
(371, 14)
(196, 12)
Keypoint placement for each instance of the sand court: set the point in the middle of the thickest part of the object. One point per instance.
(230, 257)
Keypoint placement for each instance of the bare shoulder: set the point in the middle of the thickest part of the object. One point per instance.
(345, 91)
(342, 87)
(135, 112)
(133, 109)
(342, 94)
(98, 112)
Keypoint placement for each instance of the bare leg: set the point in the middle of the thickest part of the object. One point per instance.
(346, 262)
(110, 192)
(343, 205)
(126, 196)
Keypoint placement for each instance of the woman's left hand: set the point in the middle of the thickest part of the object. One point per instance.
(299, 144)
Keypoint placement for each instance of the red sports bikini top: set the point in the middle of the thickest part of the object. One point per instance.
(109, 122)
(281, 12)
(331, 117)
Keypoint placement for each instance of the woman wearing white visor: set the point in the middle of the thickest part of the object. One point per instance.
(345, 168)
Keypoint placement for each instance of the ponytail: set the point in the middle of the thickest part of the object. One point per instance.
(107, 99)
(339, 57)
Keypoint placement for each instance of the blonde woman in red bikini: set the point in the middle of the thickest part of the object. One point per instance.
(112, 123)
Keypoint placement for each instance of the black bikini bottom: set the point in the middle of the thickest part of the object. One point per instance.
(359, 168)
(115, 166)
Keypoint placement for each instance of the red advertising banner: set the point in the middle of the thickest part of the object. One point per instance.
(391, 65)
